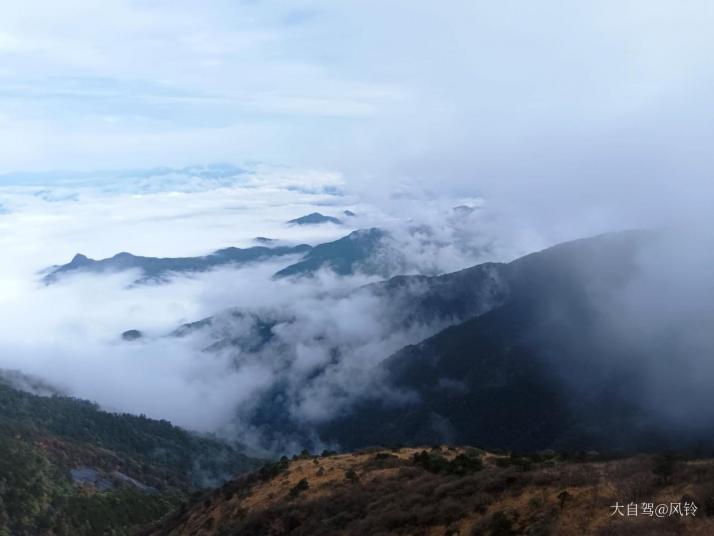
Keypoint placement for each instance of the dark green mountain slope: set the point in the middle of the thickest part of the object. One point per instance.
(68, 468)
(364, 250)
(539, 371)
(154, 268)
(358, 251)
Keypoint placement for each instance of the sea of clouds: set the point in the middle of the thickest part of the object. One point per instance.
(69, 333)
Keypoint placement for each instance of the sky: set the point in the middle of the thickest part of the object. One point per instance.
(603, 107)
(87, 85)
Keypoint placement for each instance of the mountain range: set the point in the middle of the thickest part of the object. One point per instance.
(358, 251)
(520, 357)
(497, 375)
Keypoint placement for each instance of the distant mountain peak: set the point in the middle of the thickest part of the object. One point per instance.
(315, 218)
(132, 335)
(79, 259)
(263, 240)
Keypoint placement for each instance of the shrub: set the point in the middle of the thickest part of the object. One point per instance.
(271, 470)
(298, 488)
(563, 497)
(663, 467)
(500, 525)
(436, 463)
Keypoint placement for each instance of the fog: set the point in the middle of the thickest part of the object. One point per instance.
(662, 323)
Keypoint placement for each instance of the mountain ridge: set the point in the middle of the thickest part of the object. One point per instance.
(500, 378)
(357, 251)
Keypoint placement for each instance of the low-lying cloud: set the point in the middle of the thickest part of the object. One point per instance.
(326, 338)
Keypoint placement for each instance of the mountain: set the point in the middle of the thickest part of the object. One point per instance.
(453, 490)
(542, 369)
(314, 218)
(255, 333)
(437, 301)
(363, 250)
(411, 300)
(154, 268)
(69, 468)
(440, 300)
(511, 357)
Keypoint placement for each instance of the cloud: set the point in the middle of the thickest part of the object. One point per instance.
(570, 120)
(504, 98)
(327, 339)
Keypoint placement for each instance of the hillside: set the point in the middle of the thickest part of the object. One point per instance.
(365, 250)
(448, 490)
(543, 368)
(68, 468)
(515, 355)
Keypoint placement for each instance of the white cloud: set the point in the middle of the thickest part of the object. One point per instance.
(70, 332)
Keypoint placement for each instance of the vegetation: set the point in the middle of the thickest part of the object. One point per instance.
(462, 464)
(296, 490)
(663, 466)
(446, 491)
(132, 470)
(271, 470)
(192, 459)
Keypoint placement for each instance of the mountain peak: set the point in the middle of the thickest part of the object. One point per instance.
(315, 218)
(79, 259)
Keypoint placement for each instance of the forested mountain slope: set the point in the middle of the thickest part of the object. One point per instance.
(69, 468)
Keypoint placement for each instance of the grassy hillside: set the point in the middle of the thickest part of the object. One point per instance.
(66, 467)
(449, 491)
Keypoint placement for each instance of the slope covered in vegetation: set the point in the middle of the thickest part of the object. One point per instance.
(68, 468)
(450, 491)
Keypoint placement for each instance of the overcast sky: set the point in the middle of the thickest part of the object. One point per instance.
(555, 111)
(117, 83)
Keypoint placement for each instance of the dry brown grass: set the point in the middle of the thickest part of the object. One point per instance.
(393, 496)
